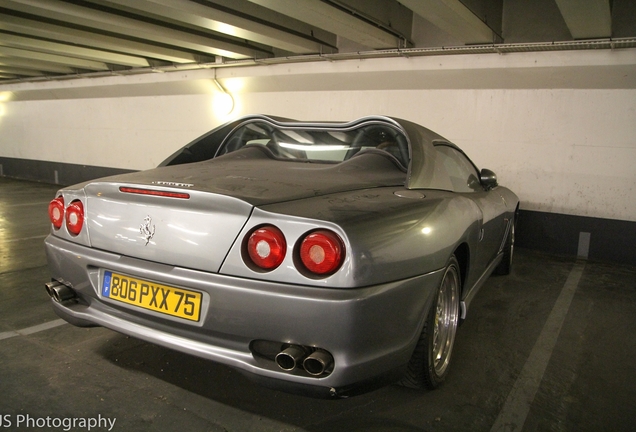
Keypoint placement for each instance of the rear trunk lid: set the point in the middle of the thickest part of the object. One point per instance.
(194, 232)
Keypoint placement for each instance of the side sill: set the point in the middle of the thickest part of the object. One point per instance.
(463, 305)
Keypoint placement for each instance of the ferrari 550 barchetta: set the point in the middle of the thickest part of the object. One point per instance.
(316, 257)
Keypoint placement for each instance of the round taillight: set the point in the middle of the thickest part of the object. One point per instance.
(266, 247)
(322, 252)
(56, 212)
(75, 217)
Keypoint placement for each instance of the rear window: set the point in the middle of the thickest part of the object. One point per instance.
(318, 145)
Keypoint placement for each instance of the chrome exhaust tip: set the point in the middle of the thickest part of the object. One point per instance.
(290, 357)
(318, 362)
(49, 287)
(59, 292)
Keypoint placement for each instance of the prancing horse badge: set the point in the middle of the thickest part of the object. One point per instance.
(147, 229)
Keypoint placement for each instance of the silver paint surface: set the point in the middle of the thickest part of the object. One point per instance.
(242, 309)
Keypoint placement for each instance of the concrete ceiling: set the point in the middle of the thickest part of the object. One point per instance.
(49, 39)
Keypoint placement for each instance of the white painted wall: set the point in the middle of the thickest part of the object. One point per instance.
(558, 128)
(132, 133)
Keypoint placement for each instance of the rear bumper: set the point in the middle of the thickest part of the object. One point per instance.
(370, 331)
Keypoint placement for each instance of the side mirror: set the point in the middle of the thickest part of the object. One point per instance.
(488, 179)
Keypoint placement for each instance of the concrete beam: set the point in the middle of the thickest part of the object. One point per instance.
(587, 19)
(53, 58)
(40, 45)
(218, 20)
(129, 27)
(28, 27)
(454, 18)
(334, 20)
(34, 64)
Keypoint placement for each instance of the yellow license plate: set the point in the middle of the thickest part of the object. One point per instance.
(177, 302)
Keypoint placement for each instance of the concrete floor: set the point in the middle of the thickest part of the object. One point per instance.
(549, 348)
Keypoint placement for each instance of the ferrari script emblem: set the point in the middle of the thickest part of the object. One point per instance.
(147, 229)
(175, 184)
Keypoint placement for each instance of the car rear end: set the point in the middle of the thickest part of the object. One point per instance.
(192, 270)
(189, 256)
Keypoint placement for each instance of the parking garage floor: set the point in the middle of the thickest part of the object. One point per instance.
(549, 348)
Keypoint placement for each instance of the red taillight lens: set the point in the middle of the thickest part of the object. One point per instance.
(322, 252)
(56, 212)
(75, 217)
(266, 247)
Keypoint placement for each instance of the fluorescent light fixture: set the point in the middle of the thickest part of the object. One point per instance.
(318, 147)
(223, 102)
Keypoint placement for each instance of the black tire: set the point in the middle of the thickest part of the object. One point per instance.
(430, 361)
(505, 266)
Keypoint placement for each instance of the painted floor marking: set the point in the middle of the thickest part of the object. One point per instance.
(26, 238)
(34, 203)
(33, 329)
(515, 410)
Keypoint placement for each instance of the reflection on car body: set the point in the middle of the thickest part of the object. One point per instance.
(320, 258)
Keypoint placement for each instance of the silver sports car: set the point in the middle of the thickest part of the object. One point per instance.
(319, 258)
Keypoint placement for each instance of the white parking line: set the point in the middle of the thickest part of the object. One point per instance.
(34, 329)
(26, 238)
(514, 412)
(9, 334)
(36, 203)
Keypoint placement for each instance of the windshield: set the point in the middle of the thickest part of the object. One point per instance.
(318, 145)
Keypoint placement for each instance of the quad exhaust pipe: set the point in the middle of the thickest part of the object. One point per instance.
(318, 362)
(314, 362)
(288, 358)
(60, 292)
